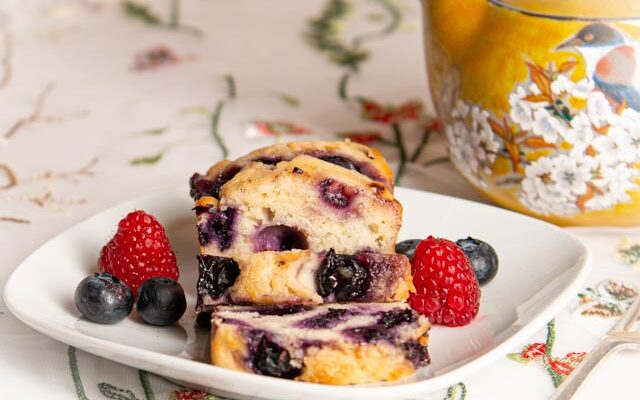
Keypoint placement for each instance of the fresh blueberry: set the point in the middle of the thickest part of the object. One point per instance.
(482, 256)
(161, 301)
(407, 247)
(341, 277)
(273, 360)
(103, 298)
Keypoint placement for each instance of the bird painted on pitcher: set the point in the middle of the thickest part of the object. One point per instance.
(612, 61)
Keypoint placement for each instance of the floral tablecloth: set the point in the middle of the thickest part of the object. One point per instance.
(102, 101)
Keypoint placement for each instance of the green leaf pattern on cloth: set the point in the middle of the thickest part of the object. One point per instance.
(113, 392)
(558, 368)
(610, 298)
(325, 34)
(629, 252)
(456, 392)
(147, 160)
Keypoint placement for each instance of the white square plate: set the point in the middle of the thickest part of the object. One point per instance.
(541, 268)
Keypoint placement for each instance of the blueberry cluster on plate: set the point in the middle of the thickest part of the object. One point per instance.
(136, 265)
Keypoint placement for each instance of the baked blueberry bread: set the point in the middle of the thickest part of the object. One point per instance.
(352, 156)
(332, 343)
(302, 277)
(302, 231)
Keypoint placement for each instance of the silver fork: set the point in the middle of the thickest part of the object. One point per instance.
(618, 338)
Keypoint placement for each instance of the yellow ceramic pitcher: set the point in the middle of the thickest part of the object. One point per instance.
(541, 103)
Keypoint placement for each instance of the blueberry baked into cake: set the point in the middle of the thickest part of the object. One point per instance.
(299, 228)
(331, 343)
(298, 269)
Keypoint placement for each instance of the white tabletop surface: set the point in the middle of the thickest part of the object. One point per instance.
(86, 121)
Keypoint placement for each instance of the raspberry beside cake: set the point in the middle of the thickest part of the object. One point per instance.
(331, 343)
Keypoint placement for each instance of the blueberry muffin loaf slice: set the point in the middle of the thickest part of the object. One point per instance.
(303, 231)
(352, 156)
(332, 343)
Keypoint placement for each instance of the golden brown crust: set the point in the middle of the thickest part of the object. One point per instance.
(405, 285)
(338, 362)
(287, 151)
(206, 201)
(349, 364)
(228, 347)
(343, 364)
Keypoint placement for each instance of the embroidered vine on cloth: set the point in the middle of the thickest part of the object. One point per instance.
(455, 392)
(610, 298)
(558, 368)
(577, 144)
(324, 34)
(629, 252)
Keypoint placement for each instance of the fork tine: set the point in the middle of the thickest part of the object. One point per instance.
(628, 318)
(629, 337)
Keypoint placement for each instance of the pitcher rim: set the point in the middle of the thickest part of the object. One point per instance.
(558, 17)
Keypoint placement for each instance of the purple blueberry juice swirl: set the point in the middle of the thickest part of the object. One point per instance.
(202, 185)
(217, 227)
(368, 334)
(382, 269)
(279, 238)
(336, 194)
(329, 319)
(416, 353)
(393, 318)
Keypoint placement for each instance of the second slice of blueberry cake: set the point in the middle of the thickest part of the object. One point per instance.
(331, 343)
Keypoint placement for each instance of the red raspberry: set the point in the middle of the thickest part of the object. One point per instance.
(138, 251)
(447, 290)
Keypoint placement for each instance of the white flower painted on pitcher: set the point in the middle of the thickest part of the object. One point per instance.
(572, 174)
(472, 143)
(521, 110)
(541, 193)
(580, 134)
(582, 88)
(591, 149)
(547, 125)
(598, 109)
(562, 85)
